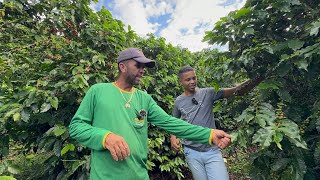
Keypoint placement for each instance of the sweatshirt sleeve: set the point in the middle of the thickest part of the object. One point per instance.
(178, 127)
(81, 128)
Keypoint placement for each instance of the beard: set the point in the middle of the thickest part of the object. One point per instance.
(131, 79)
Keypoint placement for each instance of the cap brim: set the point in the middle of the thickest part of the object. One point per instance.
(148, 62)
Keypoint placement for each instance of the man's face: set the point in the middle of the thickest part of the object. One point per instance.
(134, 71)
(189, 81)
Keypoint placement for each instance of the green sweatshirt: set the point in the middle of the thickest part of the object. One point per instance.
(103, 111)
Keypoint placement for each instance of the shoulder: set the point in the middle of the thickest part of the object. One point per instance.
(212, 90)
(179, 99)
(100, 87)
(143, 93)
(205, 90)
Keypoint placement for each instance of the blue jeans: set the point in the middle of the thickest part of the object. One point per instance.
(206, 165)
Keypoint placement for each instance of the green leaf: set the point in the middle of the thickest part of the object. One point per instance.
(241, 117)
(314, 31)
(280, 164)
(95, 59)
(249, 117)
(300, 167)
(54, 102)
(59, 130)
(7, 178)
(17, 116)
(25, 116)
(295, 2)
(283, 69)
(217, 107)
(11, 112)
(302, 64)
(261, 120)
(234, 136)
(13, 169)
(299, 143)
(295, 44)
(45, 107)
(74, 167)
(30, 156)
(249, 30)
(284, 95)
(57, 148)
(266, 113)
(240, 13)
(315, 28)
(264, 136)
(66, 148)
(277, 138)
(291, 130)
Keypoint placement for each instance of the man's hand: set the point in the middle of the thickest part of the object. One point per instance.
(220, 138)
(175, 143)
(117, 146)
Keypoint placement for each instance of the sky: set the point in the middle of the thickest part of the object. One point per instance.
(180, 22)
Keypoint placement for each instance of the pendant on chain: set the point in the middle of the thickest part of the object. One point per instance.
(127, 105)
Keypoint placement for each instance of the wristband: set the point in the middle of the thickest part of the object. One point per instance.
(104, 139)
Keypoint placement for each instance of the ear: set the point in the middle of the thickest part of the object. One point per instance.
(122, 67)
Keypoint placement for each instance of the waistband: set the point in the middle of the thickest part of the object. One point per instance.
(198, 149)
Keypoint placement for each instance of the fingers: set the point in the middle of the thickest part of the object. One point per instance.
(175, 147)
(126, 148)
(224, 142)
(117, 146)
(226, 135)
(113, 154)
(120, 152)
(175, 144)
(221, 138)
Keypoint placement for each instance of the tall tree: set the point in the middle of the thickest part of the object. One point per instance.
(278, 40)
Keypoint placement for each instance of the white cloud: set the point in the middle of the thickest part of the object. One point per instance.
(189, 18)
(194, 17)
(133, 13)
(158, 8)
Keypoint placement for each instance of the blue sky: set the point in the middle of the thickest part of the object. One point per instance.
(180, 22)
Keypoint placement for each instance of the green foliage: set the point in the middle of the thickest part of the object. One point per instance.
(52, 52)
(278, 40)
(27, 167)
(238, 162)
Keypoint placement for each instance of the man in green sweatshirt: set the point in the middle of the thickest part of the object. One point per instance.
(112, 120)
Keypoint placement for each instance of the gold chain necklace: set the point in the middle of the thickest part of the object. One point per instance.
(127, 104)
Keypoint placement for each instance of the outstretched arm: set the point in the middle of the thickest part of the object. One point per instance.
(242, 88)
